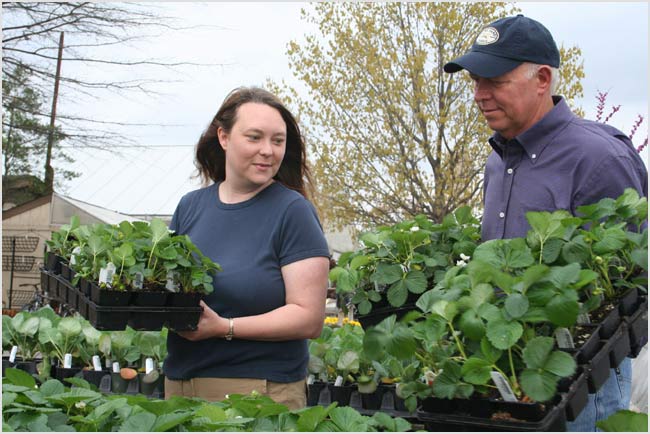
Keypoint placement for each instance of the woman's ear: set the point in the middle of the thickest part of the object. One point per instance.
(223, 138)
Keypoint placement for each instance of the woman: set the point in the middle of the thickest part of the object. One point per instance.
(256, 222)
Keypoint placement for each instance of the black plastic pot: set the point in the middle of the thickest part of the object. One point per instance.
(107, 318)
(66, 272)
(577, 395)
(82, 306)
(53, 286)
(610, 323)
(628, 302)
(151, 384)
(341, 394)
(45, 281)
(62, 373)
(53, 263)
(372, 401)
(108, 297)
(599, 368)
(120, 385)
(637, 325)
(94, 377)
(184, 299)
(619, 346)
(589, 347)
(149, 298)
(84, 286)
(314, 392)
(29, 366)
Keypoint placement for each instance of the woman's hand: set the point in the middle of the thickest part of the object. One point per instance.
(210, 325)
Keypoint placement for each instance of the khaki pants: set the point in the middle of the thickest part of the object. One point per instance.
(293, 395)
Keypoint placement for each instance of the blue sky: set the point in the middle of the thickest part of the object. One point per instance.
(250, 39)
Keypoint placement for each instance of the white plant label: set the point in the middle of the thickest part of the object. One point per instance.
(116, 367)
(148, 365)
(73, 256)
(67, 361)
(339, 381)
(583, 318)
(171, 285)
(14, 351)
(138, 280)
(503, 386)
(109, 363)
(563, 338)
(106, 274)
(97, 364)
(310, 379)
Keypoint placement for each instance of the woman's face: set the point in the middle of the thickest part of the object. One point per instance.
(254, 147)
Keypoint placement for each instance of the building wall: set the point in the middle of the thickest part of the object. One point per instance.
(29, 229)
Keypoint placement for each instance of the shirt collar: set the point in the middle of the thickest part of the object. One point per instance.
(536, 138)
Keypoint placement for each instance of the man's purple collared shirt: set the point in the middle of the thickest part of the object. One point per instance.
(561, 162)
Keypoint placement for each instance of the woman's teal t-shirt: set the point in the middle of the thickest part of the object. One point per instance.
(251, 241)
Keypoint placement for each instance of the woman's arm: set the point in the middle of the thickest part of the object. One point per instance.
(300, 318)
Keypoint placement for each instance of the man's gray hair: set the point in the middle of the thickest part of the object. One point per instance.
(555, 75)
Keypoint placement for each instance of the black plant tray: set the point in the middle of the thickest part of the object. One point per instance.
(184, 299)
(637, 325)
(610, 323)
(577, 395)
(319, 393)
(628, 302)
(619, 346)
(62, 374)
(108, 297)
(554, 419)
(149, 298)
(378, 315)
(95, 377)
(143, 318)
(133, 387)
(599, 367)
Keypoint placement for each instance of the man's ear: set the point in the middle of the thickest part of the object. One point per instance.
(544, 78)
(223, 138)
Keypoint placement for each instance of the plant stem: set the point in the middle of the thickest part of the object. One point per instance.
(458, 343)
(512, 370)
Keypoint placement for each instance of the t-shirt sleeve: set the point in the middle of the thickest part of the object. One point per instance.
(301, 234)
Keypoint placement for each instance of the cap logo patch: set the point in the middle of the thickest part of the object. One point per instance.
(488, 35)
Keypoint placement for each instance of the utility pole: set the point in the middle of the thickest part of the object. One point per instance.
(49, 171)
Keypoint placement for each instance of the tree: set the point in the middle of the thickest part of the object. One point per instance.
(391, 135)
(31, 32)
(24, 135)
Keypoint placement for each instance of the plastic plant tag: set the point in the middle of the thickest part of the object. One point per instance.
(14, 351)
(67, 361)
(339, 381)
(310, 379)
(583, 318)
(138, 280)
(504, 387)
(73, 255)
(106, 274)
(109, 363)
(563, 338)
(116, 367)
(148, 365)
(97, 364)
(171, 285)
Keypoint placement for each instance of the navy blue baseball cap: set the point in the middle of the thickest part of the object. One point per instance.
(506, 44)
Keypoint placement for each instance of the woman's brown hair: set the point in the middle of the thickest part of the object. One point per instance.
(210, 158)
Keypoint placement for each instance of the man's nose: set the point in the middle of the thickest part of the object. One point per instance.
(481, 90)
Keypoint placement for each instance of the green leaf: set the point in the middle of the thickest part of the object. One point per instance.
(625, 421)
(447, 382)
(310, 418)
(348, 419)
(389, 336)
(476, 371)
(397, 294)
(576, 250)
(139, 422)
(537, 352)
(563, 277)
(560, 364)
(445, 309)
(472, 325)
(70, 327)
(416, 281)
(159, 230)
(562, 311)
(613, 240)
(538, 384)
(168, 421)
(552, 250)
(516, 305)
(348, 361)
(391, 424)
(359, 261)
(640, 258)
(20, 378)
(490, 353)
(387, 274)
(503, 334)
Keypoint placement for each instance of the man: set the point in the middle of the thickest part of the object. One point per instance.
(544, 157)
